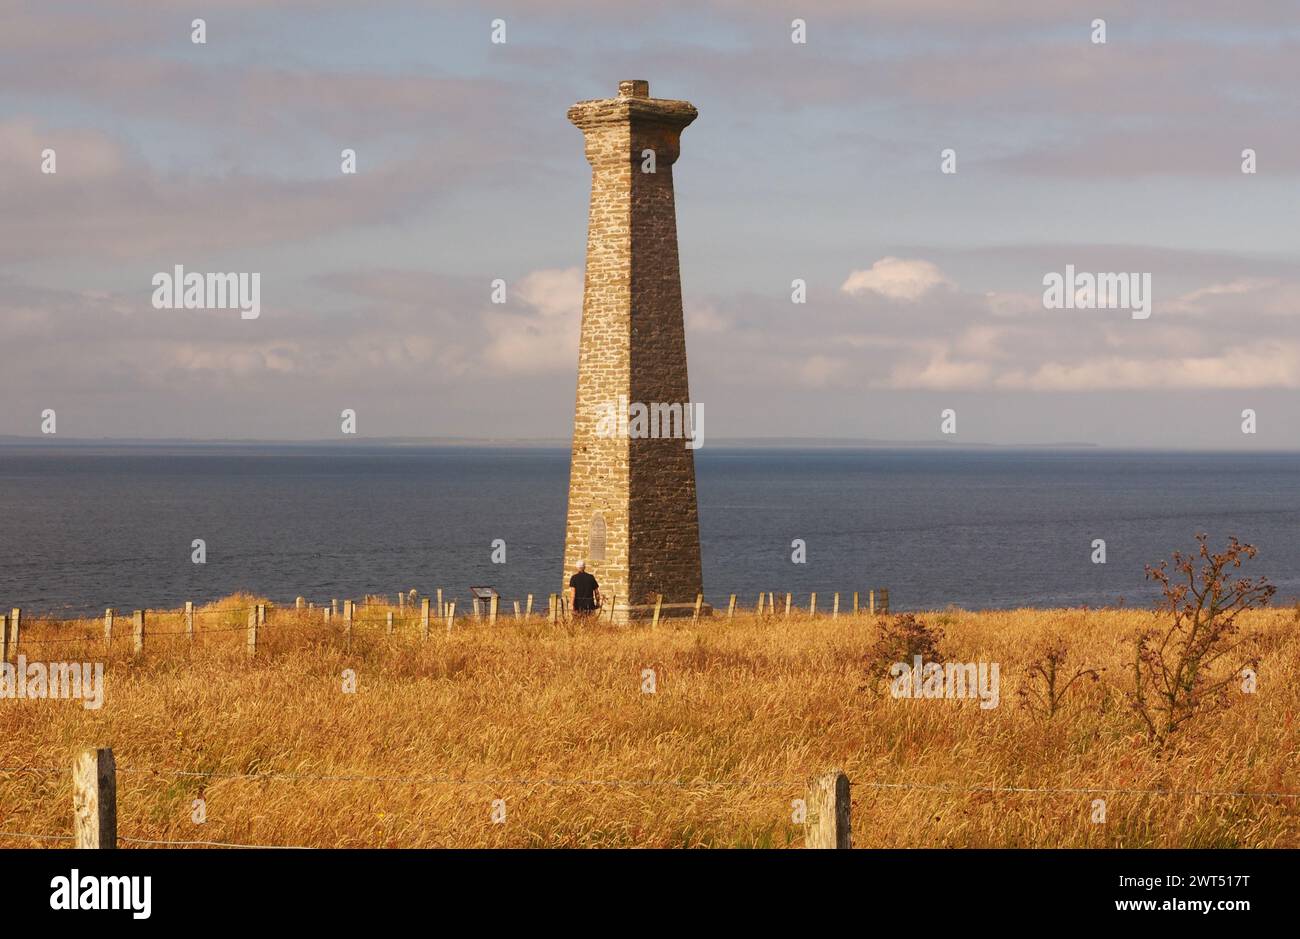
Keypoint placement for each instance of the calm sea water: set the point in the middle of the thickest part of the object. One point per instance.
(85, 528)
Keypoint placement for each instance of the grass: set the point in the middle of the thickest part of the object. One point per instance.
(553, 721)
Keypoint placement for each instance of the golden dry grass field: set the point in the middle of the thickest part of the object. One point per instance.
(554, 721)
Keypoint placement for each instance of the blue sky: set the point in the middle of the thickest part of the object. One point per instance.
(813, 161)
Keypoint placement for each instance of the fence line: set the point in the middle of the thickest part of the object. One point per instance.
(827, 819)
(215, 844)
(487, 781)
(29, 834)
(558, 613)
(404, 603)
(94, 809)
(677, 783)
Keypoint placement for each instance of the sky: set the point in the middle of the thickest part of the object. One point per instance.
(821, 161)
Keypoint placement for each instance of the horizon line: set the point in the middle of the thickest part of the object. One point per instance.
(739, 442)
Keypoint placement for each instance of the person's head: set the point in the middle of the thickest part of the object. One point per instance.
(582, 566)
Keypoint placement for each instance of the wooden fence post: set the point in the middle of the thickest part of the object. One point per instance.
(442, 610)
(659, 602)
(871, 602)
(4, 637)
(451, 615)
(855, 603)
(261, 614)
(828, 812)
(424, 617)
(492, 610)
(518, 611)
(884, 600)
(389, 622)
(731, 608)
(699, 602)
(108, 628)
(528, 607)
(251, 644)
(94, 799)
(299, 602)
(139, 632)
(553, 609)
(189, 619)
(334, 607)
(835, 607)
(15, 624)
(758, 610)
(787, 606)
(812, 604)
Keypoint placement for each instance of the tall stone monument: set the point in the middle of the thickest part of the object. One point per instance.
(632, 510)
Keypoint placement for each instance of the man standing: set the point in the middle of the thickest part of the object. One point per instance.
(585, 590)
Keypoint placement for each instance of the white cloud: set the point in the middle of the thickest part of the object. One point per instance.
(706, 319)
(820, 371)
(545, 337)
(940, 373)
(896, 278)
(1268, 365)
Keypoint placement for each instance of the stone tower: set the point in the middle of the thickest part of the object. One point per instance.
(632, 510)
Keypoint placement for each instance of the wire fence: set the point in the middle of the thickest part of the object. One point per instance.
(364, 619)
(558, 782)
(364, 625)
(742, 783)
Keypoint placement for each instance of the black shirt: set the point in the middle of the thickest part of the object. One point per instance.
(584, 588)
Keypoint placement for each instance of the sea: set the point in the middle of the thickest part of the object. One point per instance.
(87, 527)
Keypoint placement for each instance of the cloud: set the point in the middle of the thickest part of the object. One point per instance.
(80, 154)
(705, 318)
(1258, 365)
(1233, 333)
(940, 373)
(106, 204)
(896, 278)
(821, 371)
(544, 337)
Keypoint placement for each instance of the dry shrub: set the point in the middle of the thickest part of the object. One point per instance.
(1187, 668)
(899, 639)
(1050, 678)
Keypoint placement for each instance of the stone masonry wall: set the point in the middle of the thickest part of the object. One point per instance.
(633, 344)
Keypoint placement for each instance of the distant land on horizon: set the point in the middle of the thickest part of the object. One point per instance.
(452, 441)
(719, 443)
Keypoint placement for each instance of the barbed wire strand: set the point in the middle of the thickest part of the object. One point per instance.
(29, 834)
(215, 844)
(708, 783)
